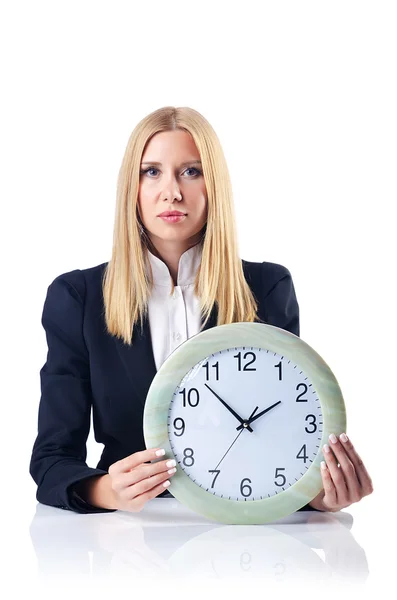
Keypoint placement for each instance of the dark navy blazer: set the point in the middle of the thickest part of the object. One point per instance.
(87, 368)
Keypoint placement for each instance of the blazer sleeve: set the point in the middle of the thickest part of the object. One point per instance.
(282, 310)
(59, 453)
(281, 304)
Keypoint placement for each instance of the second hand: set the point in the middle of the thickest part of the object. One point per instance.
(238, 435)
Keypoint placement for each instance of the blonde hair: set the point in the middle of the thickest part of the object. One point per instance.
(220, 278)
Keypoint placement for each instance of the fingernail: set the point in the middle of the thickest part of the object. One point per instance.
(160, 452)
(333, 438)
(326, 448)
(170, 463)
(166, 483)
(343, 437)
(323, 465)
(172, 471)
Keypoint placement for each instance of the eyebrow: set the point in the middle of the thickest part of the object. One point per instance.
(159, 164)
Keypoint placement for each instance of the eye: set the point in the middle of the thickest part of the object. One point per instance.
(143, 171)
(194, 169)
(197, 171)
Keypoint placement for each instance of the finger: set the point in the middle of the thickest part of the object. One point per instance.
(364, 479)
(148, 470)
(351, 481)
(338, 478)
(139, 501)
(130, 462)
(145, 485)
(330, 497)
(124, 480)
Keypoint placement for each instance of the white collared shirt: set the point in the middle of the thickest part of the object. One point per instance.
(173, 319)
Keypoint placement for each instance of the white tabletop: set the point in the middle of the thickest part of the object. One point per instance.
(169, 546)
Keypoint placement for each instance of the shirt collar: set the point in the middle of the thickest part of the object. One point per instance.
(187, 268)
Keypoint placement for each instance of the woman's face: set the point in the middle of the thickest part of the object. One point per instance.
(171, 178)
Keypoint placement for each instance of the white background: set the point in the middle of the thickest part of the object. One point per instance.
(303, 98)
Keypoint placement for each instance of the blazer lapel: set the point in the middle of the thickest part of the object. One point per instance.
(138, 359)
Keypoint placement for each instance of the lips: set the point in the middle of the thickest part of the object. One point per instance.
(172, 213)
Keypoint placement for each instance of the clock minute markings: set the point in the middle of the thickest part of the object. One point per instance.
(314, 454)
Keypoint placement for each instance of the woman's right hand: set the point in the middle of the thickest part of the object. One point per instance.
(134, 482)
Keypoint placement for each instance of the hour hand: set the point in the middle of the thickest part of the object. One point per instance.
(251, 419)
(247, 426)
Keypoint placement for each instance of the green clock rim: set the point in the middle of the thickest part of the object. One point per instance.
(196, 349)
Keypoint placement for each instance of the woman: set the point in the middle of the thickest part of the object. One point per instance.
(176, 276)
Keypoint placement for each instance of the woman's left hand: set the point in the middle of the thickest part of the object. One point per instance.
(344, 484)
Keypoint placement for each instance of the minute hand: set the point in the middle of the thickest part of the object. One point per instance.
(249, 421)
(229, 408)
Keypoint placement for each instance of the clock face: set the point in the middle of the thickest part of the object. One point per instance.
(244, 408)
(245, 423)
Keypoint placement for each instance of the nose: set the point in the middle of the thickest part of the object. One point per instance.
(170, 187)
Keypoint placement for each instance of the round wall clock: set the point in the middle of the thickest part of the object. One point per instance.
(244, 409)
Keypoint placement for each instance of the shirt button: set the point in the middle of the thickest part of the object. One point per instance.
(177, 336)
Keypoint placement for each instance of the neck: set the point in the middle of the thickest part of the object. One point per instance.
(170, 252)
